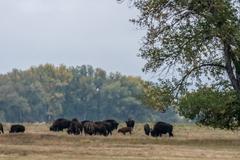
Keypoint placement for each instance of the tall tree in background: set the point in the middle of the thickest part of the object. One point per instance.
(47, 92)
(193, 42)
(191, 39)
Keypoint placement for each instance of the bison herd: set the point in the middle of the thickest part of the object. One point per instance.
(88, 127)
(104, 128)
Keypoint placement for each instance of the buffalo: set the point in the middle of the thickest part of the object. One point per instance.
(113, 122)
(147, 129)
(162, 128)
(124, 130)
(60, 124)
(89, 128)
(85, 121)
(1, 128)
(130, 123)
(17, 128)
(100, 129)
(75, 127)
(111, 125)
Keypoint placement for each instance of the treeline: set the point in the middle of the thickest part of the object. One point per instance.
(47, 92)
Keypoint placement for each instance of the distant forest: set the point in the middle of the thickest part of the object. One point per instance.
(47, 92)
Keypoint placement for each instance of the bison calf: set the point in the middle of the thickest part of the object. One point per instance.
(1, 128)
(17, 128)
(124, 130)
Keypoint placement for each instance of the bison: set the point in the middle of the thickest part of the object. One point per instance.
(75, 127)
(107, 125)
(130, 123)
(60, 124)
(114, 124)
(162, 128)
(147, 129)
(1, 128)
(100, 128)
(85, 121)
(124, 130)
(89, 128)
(17, 128)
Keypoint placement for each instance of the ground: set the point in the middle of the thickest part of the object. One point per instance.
(190, 142)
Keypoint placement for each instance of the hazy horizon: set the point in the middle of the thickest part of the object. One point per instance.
(69, 32)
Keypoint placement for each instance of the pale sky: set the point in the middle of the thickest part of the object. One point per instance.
(70, 32)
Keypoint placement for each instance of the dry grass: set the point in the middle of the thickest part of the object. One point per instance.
(190, 142)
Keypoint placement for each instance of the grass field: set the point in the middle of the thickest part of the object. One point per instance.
(190, 143)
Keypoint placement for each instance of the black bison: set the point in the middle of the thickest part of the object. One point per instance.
(162, 128)
(1, 128)
(100, 128)
(85, 121)
(111, 125)
(89, 128)
(124, 130)
(17, 128)
(96, 128)
(147, 129)
(60, 124)
(107, 125)
(75, 127)
(130, 123)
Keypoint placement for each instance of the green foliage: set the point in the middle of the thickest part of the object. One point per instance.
(188, 40)
(157, 96)
(193, 44)
(211, 107)
(46, 92)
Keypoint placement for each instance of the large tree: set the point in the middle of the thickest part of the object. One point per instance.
(191, 39)
(193, 43)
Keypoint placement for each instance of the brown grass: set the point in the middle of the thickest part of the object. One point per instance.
(190, 143)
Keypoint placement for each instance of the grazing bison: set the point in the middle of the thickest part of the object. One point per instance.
(75, 127)
(1, 128)
(100, 129)
(113, 122)
(130, 123)
(111, 125)
(89, 128)
(17, 128)
(162, 128)
(147, 129)
(124, 130)
(108, 126)
(60, 124)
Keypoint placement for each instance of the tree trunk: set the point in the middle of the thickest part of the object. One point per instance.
(232, 67)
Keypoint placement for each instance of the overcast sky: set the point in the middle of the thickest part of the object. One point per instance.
(70, 32)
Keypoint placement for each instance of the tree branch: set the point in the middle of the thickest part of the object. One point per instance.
(192, 70)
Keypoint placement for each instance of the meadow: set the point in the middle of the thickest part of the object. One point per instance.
(190, 142)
